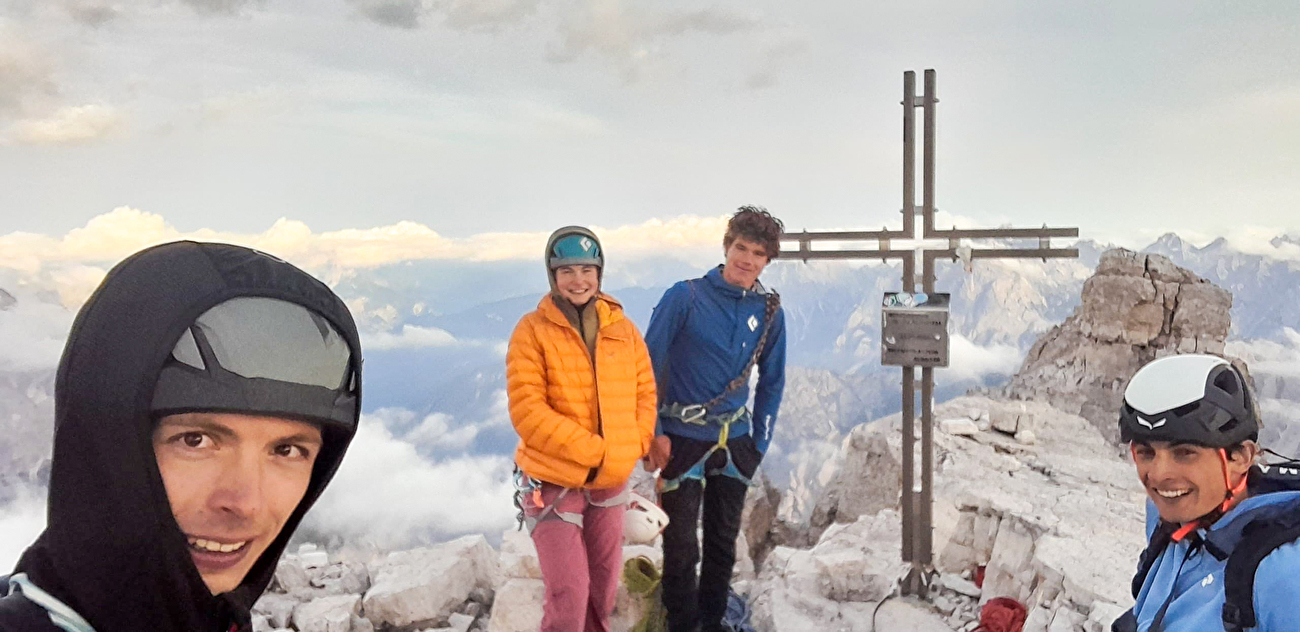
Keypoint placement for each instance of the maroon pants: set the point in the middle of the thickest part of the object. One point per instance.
(581, 566)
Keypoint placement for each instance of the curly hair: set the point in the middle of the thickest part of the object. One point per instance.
(756, 224)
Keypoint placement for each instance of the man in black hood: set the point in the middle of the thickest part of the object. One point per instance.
(205, 397)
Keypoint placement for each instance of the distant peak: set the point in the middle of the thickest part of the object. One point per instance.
(1218, 244)
(1171, 240)
(7, 300)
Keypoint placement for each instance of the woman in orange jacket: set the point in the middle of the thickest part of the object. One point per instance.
(582, 398)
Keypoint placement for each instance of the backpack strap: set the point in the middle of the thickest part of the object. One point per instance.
(1258, 540)
(1159, 540)
(61, 615)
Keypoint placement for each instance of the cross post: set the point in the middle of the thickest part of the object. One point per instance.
(917, 500)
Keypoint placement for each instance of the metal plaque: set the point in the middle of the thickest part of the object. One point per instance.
(914, 329)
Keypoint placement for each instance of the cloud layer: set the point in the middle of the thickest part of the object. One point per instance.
(112, 236)
(387, 496)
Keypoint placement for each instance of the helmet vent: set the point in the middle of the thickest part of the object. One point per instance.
(1230, 425)
(1227, 381)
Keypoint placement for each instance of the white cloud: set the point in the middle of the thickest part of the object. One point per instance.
(439, 432)
(969, 361)
(69, 126)
(389, 497)
(1269, 357)
(21, 520)
(410, 337)
(1261, 240)
(32, 335)
(112, 236)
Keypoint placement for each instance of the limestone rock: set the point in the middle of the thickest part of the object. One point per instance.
(867, 480)
(277, 607)
(341, 578)
(520, 607)
(960, 427)
(518, 556)
(327, 614)
(290, 574)
(425, 585)
(1135, 308)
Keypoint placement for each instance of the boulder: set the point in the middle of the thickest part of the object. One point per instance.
(426, 585)
(1135, 308)
(327, 614)
(519, 606)
(278, 608)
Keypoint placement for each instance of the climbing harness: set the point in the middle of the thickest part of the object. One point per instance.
(529, 490)
(700, 470)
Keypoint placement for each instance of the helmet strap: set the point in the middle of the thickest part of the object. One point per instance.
(1232, 497)
(1233, 491)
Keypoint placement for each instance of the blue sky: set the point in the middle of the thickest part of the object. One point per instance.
(477, 116)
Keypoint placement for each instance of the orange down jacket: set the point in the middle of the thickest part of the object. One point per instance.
(570, 419)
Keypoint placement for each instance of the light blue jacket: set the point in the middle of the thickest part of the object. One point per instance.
(1198, 606)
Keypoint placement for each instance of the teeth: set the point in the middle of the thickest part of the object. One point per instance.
(1172, 493)
(215, 547)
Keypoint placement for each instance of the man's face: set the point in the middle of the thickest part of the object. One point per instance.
(577, 283)
(745, 261)
(1185, 481)
(233, 480)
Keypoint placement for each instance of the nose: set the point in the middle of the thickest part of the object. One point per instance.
(238, 492)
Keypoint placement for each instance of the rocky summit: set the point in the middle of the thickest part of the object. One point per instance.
(1032, 501)
(1135, 308)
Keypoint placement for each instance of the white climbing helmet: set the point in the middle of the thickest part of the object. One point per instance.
(644, 520)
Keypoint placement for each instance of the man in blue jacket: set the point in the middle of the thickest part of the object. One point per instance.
(1191, 424)
(705, 338)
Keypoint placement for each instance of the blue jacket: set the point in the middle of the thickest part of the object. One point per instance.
(701, 335)
(1198, 605)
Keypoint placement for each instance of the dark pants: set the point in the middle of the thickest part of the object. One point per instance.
(691, 606)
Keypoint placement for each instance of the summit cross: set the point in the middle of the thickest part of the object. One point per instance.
(917, 497)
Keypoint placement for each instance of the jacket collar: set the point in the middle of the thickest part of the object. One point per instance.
(1226, 532)
(608, 309)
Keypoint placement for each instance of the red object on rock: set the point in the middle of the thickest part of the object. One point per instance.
(979, 576)
(1003, 614)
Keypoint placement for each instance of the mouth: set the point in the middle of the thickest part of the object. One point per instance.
(212, 555)
(1171, 494)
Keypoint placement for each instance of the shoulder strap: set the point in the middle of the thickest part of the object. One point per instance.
(1258, 539)
(61, 615)
(1159, 540)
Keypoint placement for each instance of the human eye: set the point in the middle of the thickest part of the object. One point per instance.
(193, 440)
(293, 451)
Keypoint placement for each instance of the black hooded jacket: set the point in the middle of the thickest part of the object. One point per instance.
(112, 550)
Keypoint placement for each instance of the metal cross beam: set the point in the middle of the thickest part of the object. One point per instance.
(917, 501)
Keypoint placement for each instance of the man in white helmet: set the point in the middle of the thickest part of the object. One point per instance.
(1222, 529)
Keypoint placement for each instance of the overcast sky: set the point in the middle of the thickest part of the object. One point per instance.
(475, 116)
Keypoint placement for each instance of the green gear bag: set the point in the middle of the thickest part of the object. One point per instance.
(642, 577)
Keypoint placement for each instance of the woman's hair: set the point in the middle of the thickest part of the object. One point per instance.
(754, 223)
